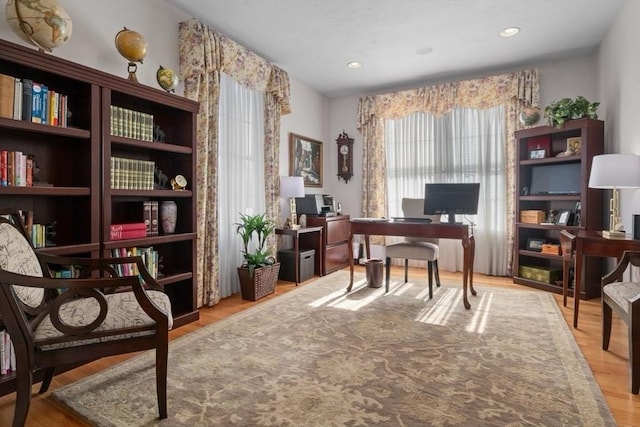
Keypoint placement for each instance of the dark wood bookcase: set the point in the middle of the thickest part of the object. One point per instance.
(557, 183)
(75, 162)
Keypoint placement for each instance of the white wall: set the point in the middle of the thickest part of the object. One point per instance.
(619, 90)
(95, 25)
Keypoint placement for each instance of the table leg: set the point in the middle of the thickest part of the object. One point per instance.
(466, 246)
(350, 262)
(472, 249)
(578, 274)
(320, 250)
(296, 262)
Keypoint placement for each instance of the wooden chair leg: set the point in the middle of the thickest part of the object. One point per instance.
(435, 267)
(46, 381)
(430, 274)
(388, 273)
(606, 325)
(406, 270)
(24, 380)
(634, 349)
(162, 351)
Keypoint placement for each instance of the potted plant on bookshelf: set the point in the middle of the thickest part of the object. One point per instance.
(258, 273)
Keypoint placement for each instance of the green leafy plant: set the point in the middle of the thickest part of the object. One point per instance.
(558, 112)
(255, 228)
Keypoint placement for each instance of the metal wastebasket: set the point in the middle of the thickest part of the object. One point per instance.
(374, 272)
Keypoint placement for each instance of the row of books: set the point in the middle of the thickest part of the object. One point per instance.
(136, 230)
(37, 232)
(149, 257)
(131, 124)
(24, 99)
(131, 174)
(7, 354)
(16, 169)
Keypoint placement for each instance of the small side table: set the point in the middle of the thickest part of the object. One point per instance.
(296, 237)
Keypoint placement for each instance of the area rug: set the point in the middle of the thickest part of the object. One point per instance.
(317, 356)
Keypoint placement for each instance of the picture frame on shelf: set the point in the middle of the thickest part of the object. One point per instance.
(305, 159)
(576, 214)
(535, 244)
(538, 153)
(563, 217)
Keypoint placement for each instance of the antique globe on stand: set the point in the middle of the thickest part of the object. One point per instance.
(43, 23)
(167, 79)
(133, 47)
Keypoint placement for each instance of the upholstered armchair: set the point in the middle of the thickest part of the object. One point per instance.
(415, 248)
(55, 322)
(623, 298)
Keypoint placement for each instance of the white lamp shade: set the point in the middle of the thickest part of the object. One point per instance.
(291, 186)
(615, 171)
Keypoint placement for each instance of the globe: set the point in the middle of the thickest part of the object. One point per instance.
(131, 45)
(529, 116)
(43, 23)
(167, 79)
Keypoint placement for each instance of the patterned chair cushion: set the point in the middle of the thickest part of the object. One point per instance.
(622, 293)
(124, 311)
(17, 256)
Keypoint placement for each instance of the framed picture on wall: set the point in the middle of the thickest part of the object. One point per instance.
(305, 159)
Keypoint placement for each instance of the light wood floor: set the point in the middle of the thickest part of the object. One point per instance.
(610, 368)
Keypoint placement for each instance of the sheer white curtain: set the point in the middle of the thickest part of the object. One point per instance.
(466, 145)
(240, 172)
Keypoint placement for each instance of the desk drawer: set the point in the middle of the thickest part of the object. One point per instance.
(338, 231)
(336, 257)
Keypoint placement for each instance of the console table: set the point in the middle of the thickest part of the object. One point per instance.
(296, 232)
(591, 243)
(460, 232)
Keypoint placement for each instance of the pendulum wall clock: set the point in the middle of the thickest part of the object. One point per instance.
(345, 156)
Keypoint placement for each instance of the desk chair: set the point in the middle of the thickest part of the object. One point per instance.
(624, 298)
(414, 247)
(568, 246)
(57, 322)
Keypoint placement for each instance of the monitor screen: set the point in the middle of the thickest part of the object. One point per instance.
(451, 199)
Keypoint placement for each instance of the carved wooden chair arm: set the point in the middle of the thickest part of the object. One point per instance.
(628, 257)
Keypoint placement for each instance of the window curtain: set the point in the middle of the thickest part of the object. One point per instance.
(240, 172)
(204, 54)
(465, 145)
(515, 91)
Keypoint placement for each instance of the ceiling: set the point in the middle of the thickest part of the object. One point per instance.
(313, 40)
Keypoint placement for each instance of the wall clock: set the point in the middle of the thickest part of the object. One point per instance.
(345, 156)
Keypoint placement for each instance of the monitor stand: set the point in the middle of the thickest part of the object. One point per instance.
(452, 219)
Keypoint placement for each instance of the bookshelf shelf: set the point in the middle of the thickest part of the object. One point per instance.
(75, 160)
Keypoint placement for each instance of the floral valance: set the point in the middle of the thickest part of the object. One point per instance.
(210, 50)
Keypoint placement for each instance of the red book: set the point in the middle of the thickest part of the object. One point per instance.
(129, 226)
(128, 234)
(3, 168)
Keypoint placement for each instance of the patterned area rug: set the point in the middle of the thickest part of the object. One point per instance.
(316, 356)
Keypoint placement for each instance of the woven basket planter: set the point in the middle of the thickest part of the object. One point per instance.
(262, 283)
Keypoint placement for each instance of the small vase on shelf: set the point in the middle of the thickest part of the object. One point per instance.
(168, 216)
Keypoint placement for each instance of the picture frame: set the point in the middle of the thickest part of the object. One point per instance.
(535, 244)
(305, 159)
(576, 214)
(563, 217)
(538, 153)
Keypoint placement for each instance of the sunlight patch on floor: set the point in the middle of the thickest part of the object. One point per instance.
(481, 311)
(350, 300)
(439, 314)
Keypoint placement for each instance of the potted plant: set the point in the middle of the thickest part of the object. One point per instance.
(558, 112)
(258, 273)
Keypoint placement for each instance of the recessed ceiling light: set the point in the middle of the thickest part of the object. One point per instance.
(508, 32)
(354, 64)
(423, 50)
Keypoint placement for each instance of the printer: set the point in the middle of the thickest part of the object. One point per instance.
(315, 204)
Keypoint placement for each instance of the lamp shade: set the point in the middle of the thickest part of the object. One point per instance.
(291, 186)
(615, 171)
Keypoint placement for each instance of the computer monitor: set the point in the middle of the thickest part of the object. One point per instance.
(451, 199)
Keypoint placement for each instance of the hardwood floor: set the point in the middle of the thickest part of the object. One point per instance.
(609, 367)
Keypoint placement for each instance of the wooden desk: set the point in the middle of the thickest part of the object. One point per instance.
(419, 229)
(591, 243)
(296, 244)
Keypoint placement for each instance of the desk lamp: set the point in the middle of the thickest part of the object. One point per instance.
(292, 187)
(614, 171)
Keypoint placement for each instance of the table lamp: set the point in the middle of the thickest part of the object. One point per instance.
(615, 171)
(292, 187)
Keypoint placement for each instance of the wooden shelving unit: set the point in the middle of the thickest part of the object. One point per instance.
(75, 162)
(557, 183)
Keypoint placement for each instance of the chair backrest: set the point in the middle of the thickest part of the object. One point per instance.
(414, 208)
(18, 256)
